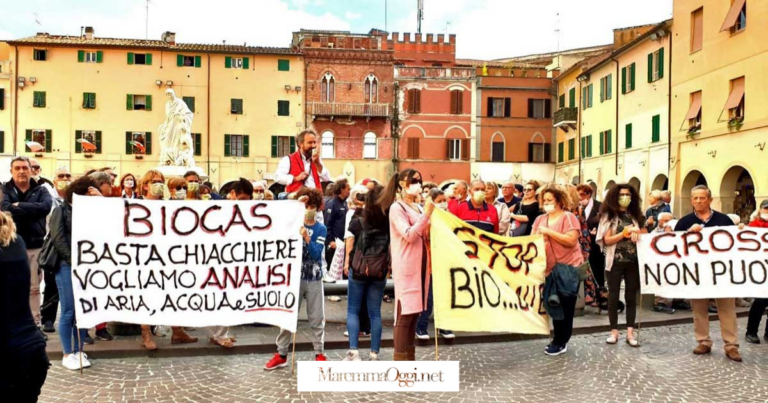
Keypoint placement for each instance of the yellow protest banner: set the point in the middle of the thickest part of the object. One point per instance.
(484, 282)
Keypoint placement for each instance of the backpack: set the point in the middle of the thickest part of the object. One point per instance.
(371, 260)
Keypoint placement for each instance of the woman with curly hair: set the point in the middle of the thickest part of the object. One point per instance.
(621, 223)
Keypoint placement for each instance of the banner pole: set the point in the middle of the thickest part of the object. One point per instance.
(437, 350)
(77, 330)
(293, 353)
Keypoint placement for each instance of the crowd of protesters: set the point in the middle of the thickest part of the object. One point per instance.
(383, 230)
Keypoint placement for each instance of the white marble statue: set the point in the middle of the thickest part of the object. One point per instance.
(176, 145)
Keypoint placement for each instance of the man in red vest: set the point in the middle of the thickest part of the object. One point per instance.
(303, 168)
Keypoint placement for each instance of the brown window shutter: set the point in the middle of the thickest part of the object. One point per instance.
(459, 102)
(547, 108)
(408, 148)
(507, 107)
(417, 152)
(409, 100)
(530, 107)
(490, 107)
(453, 102)
(417, 99)
(465, 149)
(448, 149)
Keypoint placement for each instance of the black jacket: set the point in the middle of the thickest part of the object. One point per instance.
(61, 231)
(335, 216)
(593, 221)
(29, 216)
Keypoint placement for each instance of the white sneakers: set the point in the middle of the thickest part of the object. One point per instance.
(72, 361)
(373, 356)
(352, 355)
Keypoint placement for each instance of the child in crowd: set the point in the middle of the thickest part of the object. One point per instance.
(313, 234)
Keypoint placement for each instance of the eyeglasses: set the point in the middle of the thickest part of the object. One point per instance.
(63, 176)
(258, 190)
(35, 167)
(528, 190)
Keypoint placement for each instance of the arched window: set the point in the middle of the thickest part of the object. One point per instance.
(371, 89)
(327, 145)
(497, 147)
(538, 149)
(369, 146)
(327, 88)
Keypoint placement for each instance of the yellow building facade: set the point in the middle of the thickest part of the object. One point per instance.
(625, 117)
(113, 92)
(720, 103)
(567, 124)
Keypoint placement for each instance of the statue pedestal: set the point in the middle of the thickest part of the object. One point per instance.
(175, 171)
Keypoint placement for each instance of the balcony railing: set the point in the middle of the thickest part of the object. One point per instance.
(435, 72)
(566, 116)
(348, 109)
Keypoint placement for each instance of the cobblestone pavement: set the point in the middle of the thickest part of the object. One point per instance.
(663, 369)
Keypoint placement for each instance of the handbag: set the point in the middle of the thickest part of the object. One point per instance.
(519, 228)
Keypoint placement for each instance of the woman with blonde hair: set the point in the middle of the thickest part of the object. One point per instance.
(23, 347)
(491, 196)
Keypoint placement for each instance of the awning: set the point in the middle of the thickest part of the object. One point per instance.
(737, 93)
(733, 15)
(695, 106)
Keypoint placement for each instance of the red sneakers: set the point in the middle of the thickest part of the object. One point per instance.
(276, 362)
(320, 357)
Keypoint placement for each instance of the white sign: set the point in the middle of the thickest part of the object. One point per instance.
(718, 262)
(186, 263)
(378, 376)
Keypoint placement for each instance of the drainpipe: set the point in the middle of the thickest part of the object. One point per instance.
(669, 109)
(618, 98)
(579, 126)
(15, 84)
(306, 95)
(208, 118)
(395, 128)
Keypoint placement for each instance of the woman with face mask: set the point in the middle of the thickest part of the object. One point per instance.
(408, 228)
(526, 212)
(491, 196)
(128, 186)
(560, 229)
(621, 223)
(177, 188)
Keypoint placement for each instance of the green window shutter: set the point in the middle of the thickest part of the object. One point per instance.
(149, 102)
(80, 56)
(179, 60)
(148, 146)
(628, 134)
(632, 77)
(572, 98)
(2, 142)
(623, 80)
(198, 61)
(571, 149)
(609, 84)
(246, 63)
(245, 145)
(584, 98)
(42, 97)
(130, 58)
(129, 102)
(602, 90)
(650, 67)
(99, 56)
(602, 143)
(92, 100)
(48, 140)
(560, 151)
(287, 108)
(78, 146)
(228, 62)
(283, 108)
(28, 137)
(583, 150)
(98, 142)
(562, 101)
(198, 144)
(283, 65)
(2, 98)
(608, 139)
(661, 63)
(274, 147)
(190, 101)
(656, 129)
(589, 145)
(292, 145)
(591, 92)
(128, 146)
(227, 152)
(148, 59)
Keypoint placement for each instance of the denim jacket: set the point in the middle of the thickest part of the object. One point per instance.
(564, 281)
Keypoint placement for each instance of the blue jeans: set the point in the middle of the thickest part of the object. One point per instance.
(423, 322)
(373, 292)
(67, 323)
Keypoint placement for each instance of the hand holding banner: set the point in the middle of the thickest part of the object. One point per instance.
(186, 263)
(718, 262)
(486, 282)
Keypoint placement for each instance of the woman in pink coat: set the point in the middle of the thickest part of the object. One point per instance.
(408, 229)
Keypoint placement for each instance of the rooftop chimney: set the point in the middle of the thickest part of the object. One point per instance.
(169, 37)
(89, 33)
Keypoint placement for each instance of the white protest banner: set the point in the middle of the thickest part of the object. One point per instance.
(719, 262)
(186, 263)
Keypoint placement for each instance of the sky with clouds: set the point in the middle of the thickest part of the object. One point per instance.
(485, 29)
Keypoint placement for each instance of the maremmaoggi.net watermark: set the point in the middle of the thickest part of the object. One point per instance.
(378, 376)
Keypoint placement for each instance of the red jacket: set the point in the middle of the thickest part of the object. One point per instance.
(758, 223)
(486, 217)
(297, 167)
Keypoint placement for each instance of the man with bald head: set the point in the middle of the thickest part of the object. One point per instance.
(460, 190)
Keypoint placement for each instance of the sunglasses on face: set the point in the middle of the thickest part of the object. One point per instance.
(64, 176)
(35, 167)
(527, 190)
(415, 181)
(258, 190)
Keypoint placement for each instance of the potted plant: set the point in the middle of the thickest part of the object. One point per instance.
(735, 123)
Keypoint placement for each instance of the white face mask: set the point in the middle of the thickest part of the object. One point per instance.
(549, 208)
(258, 196)
(478, 196)
(128, 183)
(764, 216)
(157, 189)
(413, 190)
(181, 194)
(442, 206)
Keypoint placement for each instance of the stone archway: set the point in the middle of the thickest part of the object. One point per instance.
(608, 187)
(692, 179)
(661, 182)
(737, 193)
(593, 185)
(635, 183)
(575, 181)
